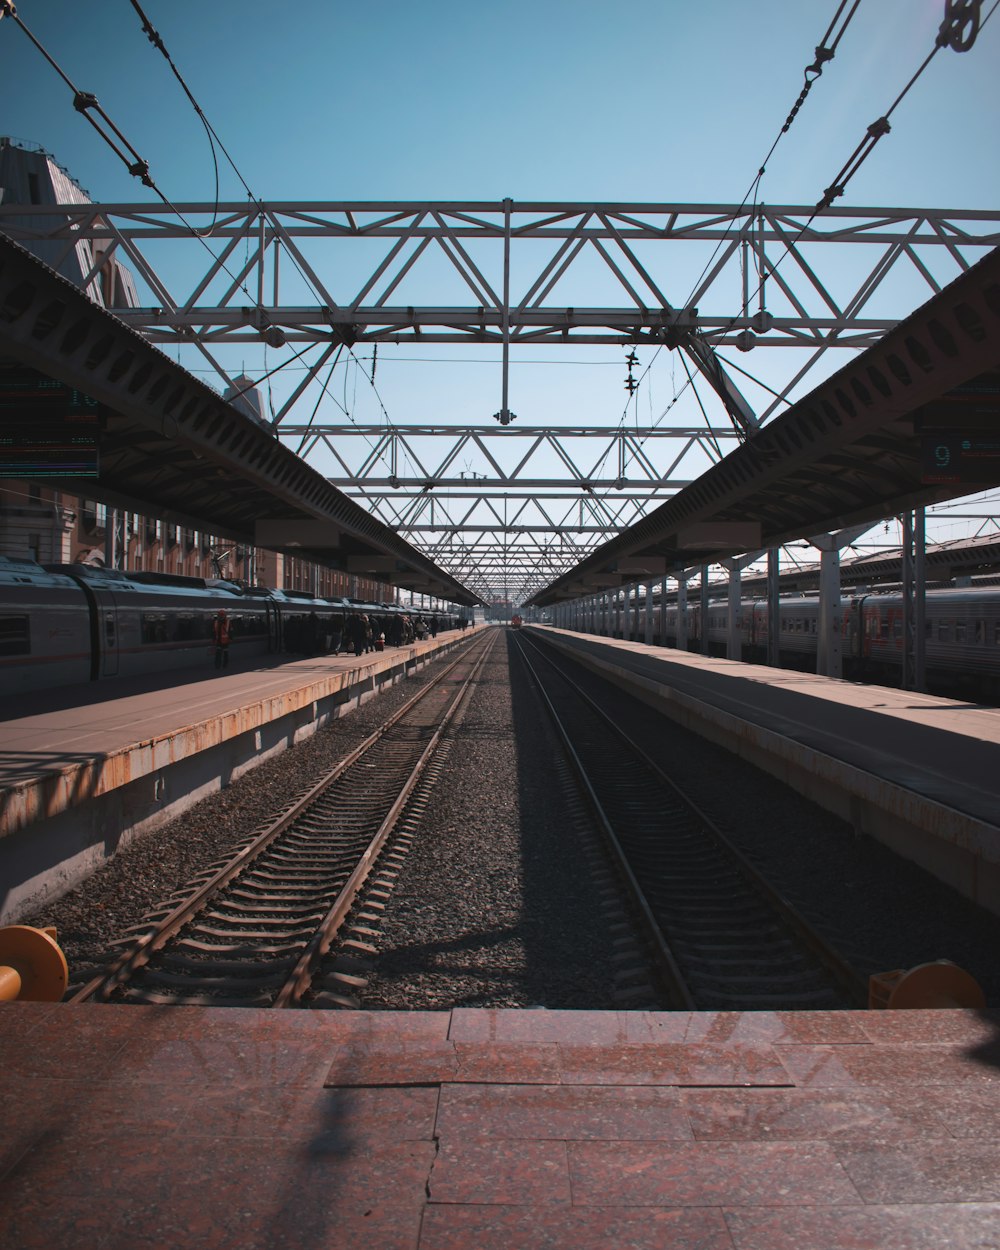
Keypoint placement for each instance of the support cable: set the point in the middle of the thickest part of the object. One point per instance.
(958, 31)
(824, 53)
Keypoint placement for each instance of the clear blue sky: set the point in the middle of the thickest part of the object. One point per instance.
(566, 99)
(659, 100)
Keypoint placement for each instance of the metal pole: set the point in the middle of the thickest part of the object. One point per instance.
(920, 591)
(504, 410)
(682, 612)
(773, 608)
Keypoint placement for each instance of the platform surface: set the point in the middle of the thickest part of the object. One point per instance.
(41, 730)
(943, 749)
(127, 1127)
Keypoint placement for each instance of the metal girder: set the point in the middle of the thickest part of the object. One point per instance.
(644, 459)
(938, 369)
(320, 277)
(238, 474)
(409, 477)
(273, 271)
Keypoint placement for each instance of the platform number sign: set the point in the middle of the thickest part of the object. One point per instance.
(961, 458)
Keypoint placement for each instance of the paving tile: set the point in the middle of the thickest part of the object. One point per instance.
(292, 1114)
(304, 1061)
(237, 1195)
(966, 1111)
(27, 1113)
(606, 1028)
(509, 1173)
(87, 1108)
(72, 1057)
(917, 1227)
(707, 1174)
(371, 1026)
(925, 1172)
(66, 1166)
(18, 1019)
(550, 1227)
(811, 1115)
(669, 1063)
(419, 1063)
(34, 1222)
(887, 1065)
(922, 1027)
(775, 1028)
(567, 1113)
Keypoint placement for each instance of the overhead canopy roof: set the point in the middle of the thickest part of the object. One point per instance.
(171, 447)
(912, 421)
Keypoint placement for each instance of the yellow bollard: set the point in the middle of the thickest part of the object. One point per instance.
(32, 966)
(937, 985)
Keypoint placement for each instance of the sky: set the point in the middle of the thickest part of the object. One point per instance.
(567, 100)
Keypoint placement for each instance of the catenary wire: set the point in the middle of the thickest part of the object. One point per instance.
(947, 37)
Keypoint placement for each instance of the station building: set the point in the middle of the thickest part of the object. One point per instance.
(55, 527)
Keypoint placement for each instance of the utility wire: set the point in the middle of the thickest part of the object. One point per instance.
(86, 103)
(959, 29)
(824, 53)
(156, 40)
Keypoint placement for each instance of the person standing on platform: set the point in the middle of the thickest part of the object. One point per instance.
(220, 631)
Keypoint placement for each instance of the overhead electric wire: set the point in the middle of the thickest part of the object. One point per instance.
(157, 41)
(84, 102)
(823, 54)
(950, 34)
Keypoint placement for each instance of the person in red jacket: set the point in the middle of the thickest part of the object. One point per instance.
(220, 629)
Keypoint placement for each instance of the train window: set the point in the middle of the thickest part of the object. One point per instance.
(944, 631)
(189, 626)
(15, 635)
(996, 633)
(155, 627)
(960, 631)
(897, 628)
(980, 633)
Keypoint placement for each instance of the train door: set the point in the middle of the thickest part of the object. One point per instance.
(273, 626)
(108, 627)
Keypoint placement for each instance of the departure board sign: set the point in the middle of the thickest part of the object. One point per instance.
(46, 429)
(971, 459)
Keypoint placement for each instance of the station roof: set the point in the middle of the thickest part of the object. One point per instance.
(171, 447)
(912, 421)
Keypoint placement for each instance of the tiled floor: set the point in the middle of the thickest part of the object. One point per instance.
(126, 1127)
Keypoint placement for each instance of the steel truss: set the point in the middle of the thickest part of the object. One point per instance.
(326, 276)
(272, 271)
(464, 517)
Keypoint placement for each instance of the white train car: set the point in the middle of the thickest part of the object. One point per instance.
(44, 629)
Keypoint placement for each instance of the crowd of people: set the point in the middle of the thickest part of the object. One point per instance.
(361, 633)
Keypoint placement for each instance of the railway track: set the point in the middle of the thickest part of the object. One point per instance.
(253, 930)
(723, 938)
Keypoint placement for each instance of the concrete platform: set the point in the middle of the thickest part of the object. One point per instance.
(84, 769)
(129, 1127)
(919, 772)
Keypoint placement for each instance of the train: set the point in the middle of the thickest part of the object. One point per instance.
(62, 624)
(961, 635)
